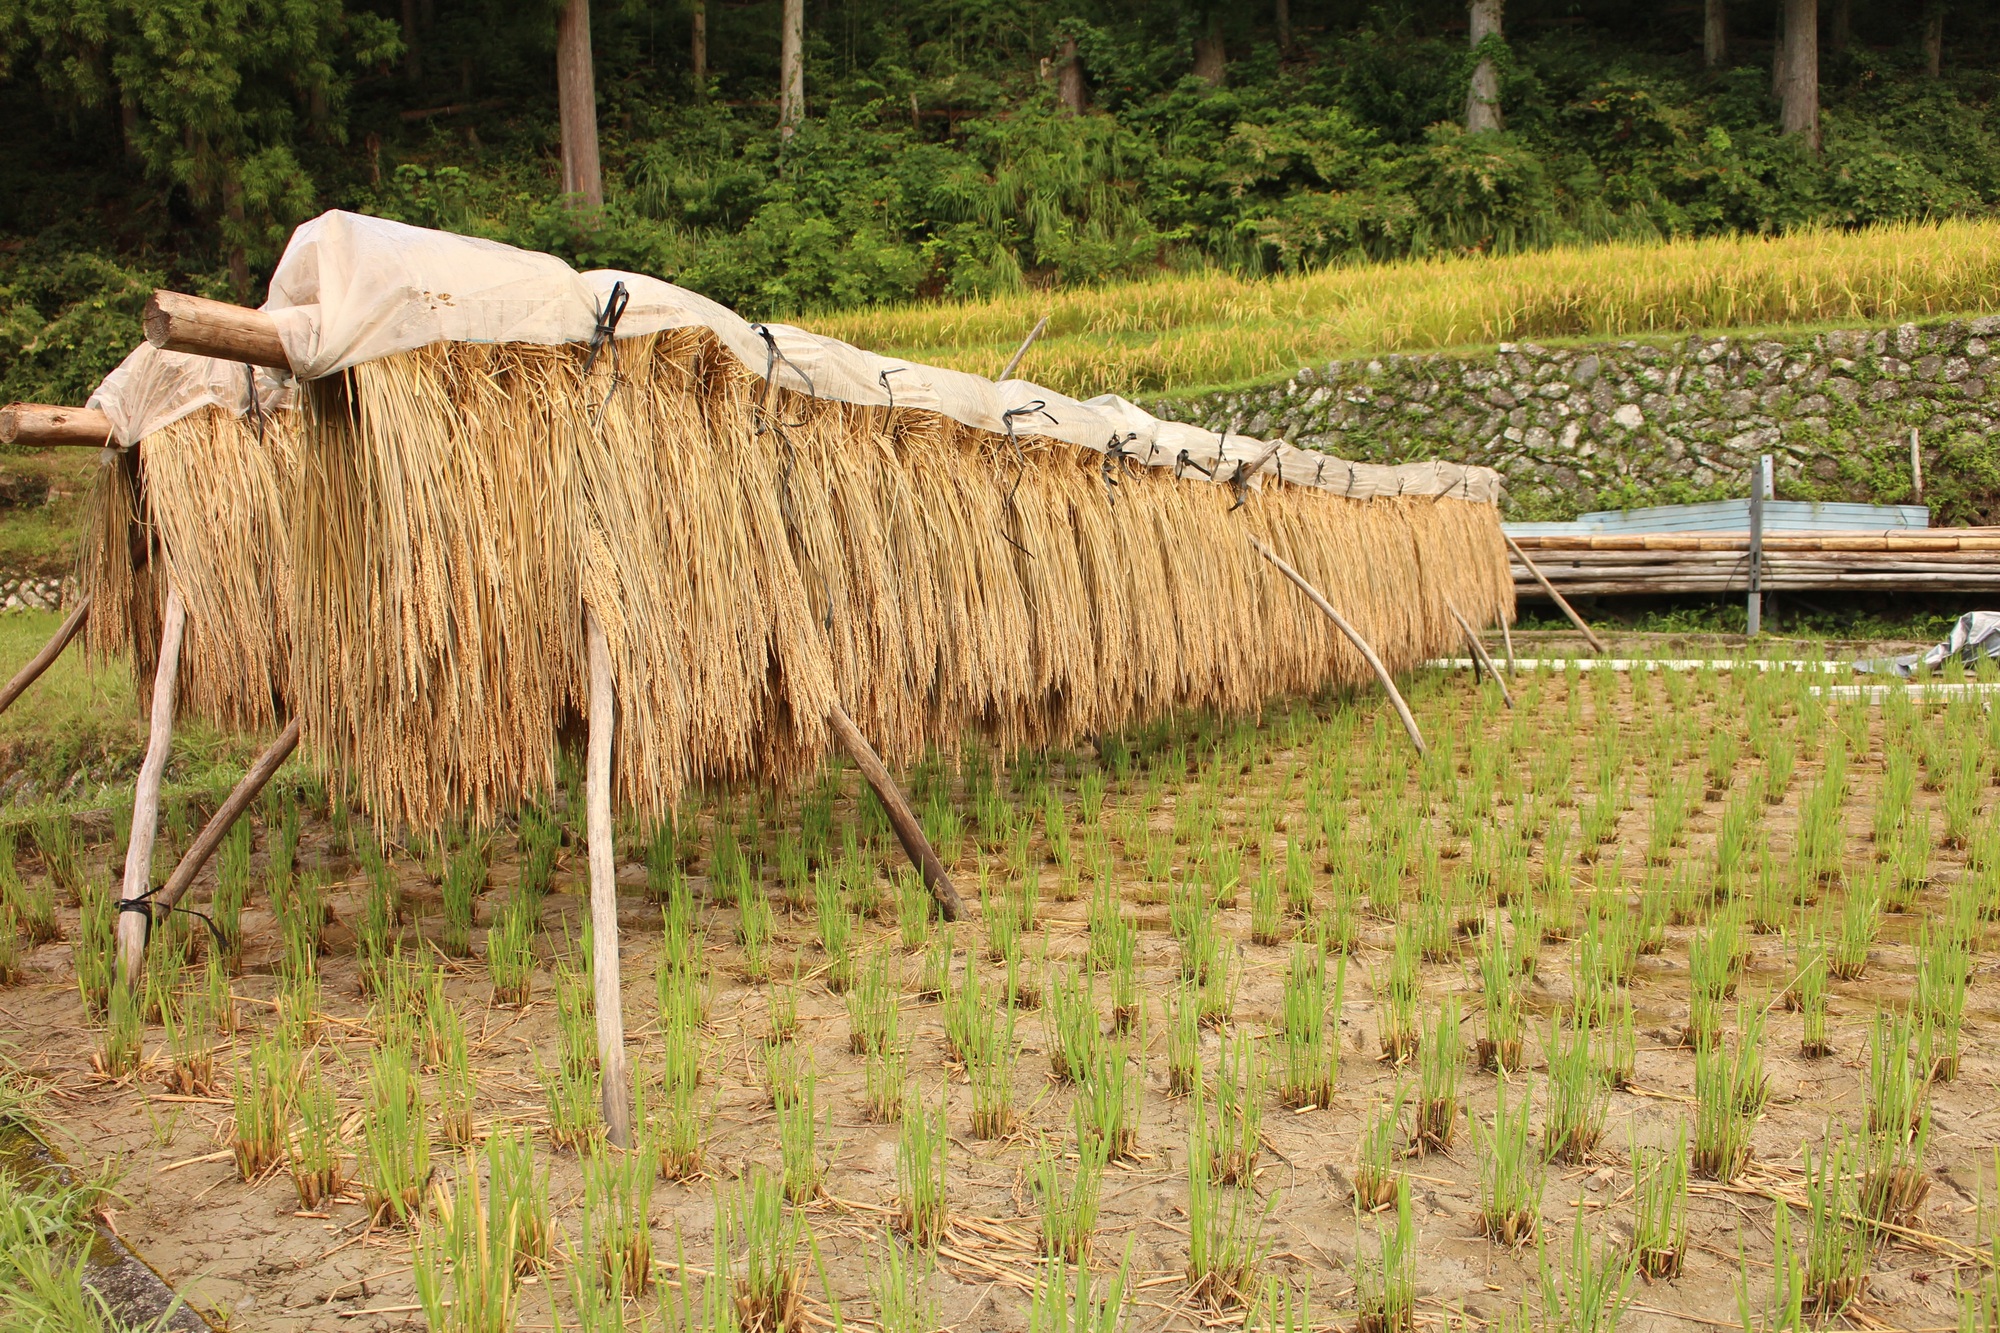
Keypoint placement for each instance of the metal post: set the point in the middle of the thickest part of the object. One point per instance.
(1754, 611)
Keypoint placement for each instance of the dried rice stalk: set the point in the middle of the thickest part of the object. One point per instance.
(434, 523)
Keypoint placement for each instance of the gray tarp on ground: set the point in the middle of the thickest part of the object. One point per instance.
(1976, 635)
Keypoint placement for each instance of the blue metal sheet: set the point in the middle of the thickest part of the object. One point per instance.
(1734, 516)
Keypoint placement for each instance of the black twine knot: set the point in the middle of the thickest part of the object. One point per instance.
(1110, 469)
(153, 912)
(1239, 483)
(606, 335)
(773, 358)
(882, 378)
(1185, 461)
(762, 421)
(1008, 418)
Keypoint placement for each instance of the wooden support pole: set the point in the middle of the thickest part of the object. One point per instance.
(1507, 637)
(607, 995)
(41, 661)
(1353, 637)
(43, 425)
(1014, 361)
(176, 322)
(146, 795)
(1479, 653)
(217, 828)
(1596, 644)
(901, 818)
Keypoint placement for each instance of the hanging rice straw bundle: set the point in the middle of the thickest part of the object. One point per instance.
(403, 562)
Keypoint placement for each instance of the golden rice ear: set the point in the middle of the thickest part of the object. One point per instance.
(214, 493)
(404, 562)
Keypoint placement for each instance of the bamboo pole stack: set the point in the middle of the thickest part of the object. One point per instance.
(1919, 560)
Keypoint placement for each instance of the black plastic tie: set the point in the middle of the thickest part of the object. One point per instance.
(153, 911)
(1186, 461)
(606, 335)
(1008, 419)
(606, 332)
(1114, 457)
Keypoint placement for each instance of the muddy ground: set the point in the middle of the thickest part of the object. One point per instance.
(250, 1258)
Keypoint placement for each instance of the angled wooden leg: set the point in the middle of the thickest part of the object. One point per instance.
(909, 831)
(41, 661)
(217, 828)
(1353, 635)
(1562, 603)
(1479, 654)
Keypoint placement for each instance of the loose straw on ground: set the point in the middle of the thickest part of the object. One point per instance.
(1353, 637)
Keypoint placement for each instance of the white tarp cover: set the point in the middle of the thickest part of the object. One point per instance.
(352, 288)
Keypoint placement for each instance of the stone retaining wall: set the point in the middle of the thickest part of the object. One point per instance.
(31, 592)
(1633, 423)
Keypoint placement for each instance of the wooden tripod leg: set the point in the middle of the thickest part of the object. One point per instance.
(901, 818)
(217, 828)
(1480, 655)
(146, 795)
(1596, 644)
(608, 994)
(1353, 636)
(41, 661)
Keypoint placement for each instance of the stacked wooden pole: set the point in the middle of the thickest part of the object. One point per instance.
(1919, 560)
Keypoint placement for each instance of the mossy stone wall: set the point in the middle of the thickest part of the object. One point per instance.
(1624, 424)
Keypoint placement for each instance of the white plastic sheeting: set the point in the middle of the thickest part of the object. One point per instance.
(1975, 635)
(352, 288)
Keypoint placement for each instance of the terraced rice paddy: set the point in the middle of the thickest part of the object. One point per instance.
(1659, 1000)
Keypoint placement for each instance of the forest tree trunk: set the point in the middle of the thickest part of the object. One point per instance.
(698, 49)
(413, 55)
(1070, 90)
(1283, 17)
(1715, 34)
(1211, 60)
(1778, 52)
(1934, 38)
(576, 96)
(1798, 99)
(792, 68)
(1482, 102)
(1840, 27)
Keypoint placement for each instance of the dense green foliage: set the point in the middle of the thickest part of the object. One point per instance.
(180, 140)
